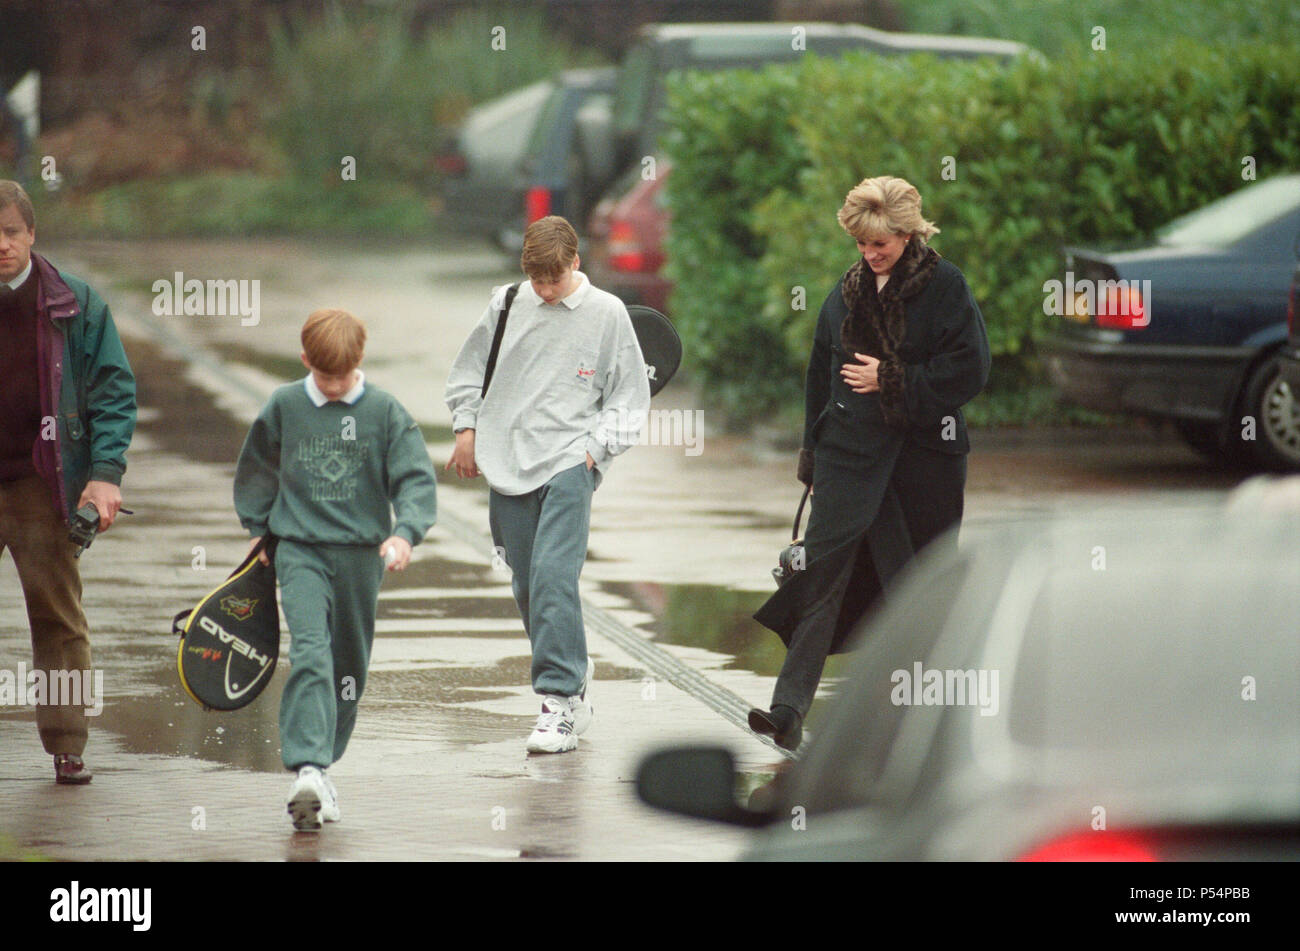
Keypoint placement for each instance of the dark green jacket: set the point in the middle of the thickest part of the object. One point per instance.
(87, 388)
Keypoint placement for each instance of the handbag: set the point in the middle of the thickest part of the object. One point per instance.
(230, 640)
(792, 557)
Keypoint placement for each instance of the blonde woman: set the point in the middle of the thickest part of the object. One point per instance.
(900, 346)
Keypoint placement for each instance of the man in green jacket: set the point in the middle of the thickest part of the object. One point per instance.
(67, 412)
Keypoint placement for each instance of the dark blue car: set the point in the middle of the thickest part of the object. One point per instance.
(1190, 328)
(1289, 359)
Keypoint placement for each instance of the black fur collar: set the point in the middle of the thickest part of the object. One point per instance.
(874, 321)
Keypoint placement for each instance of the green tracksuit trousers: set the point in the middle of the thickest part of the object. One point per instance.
(329, 594)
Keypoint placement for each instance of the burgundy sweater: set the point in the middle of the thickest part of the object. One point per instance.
(20, 397)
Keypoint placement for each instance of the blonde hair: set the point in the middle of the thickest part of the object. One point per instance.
(550, 247)
(333, 340)
(11, 193)
(877, 207)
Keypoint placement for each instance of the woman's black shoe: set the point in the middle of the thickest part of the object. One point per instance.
(783, 724)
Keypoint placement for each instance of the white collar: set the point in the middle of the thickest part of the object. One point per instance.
(576, 296)
(350, 397)
(17, 282)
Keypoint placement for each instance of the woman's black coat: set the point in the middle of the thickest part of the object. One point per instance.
(882, 490)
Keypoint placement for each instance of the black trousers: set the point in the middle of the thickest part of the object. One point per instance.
(809, 645)
(929, 486)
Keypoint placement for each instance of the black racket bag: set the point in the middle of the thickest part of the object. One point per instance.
(230, 640)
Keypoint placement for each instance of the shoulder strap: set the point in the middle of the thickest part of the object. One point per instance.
(798, 516)
(496, 338)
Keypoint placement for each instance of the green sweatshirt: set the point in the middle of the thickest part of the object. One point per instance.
(327, 474)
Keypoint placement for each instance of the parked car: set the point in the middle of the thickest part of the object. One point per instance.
(1190, 328)
(515, 159)
(479, 164)
(1115, 687)
(1288, 359)
(553, 177)
(626, 249)
(614, 139)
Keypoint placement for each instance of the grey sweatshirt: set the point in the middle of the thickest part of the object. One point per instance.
(569, 380)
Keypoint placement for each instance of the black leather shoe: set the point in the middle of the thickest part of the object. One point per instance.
(783, 724)
(69, 770)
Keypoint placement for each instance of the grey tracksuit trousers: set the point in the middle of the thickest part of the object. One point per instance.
(544, 535)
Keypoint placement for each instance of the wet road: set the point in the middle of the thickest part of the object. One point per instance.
(681, 545)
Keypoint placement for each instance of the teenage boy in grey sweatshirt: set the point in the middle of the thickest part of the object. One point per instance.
(568, 394)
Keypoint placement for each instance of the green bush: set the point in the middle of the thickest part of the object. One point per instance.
(1056, 26)
(234, 204)
(372, 85)
(1013, 160)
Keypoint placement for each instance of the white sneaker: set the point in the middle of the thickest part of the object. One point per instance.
(583, 711)
(305, 798)
(329, 807)
(554, 730)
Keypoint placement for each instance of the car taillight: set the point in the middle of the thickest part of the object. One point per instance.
(625, 252)
(537, 203)
(1096, 846)
(1123, 309)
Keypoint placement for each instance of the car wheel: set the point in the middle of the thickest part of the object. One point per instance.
(1270, 400)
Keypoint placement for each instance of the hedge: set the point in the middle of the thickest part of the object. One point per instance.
(1013, 161)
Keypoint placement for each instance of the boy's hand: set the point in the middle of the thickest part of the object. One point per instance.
(462, 457)
(261, 556)
(590, 462)
(401, 550)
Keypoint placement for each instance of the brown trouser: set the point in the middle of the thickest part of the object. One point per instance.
(38, 540)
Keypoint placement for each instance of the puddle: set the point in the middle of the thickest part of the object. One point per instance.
(282, 367)
(720, 620)
(449, 607)
(202, 432)
(154, 714)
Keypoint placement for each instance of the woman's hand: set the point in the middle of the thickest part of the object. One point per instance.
(861, 377)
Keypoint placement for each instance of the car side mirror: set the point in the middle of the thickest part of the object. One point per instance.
(695, 781)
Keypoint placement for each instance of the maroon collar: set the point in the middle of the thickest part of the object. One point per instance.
(55, 298)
